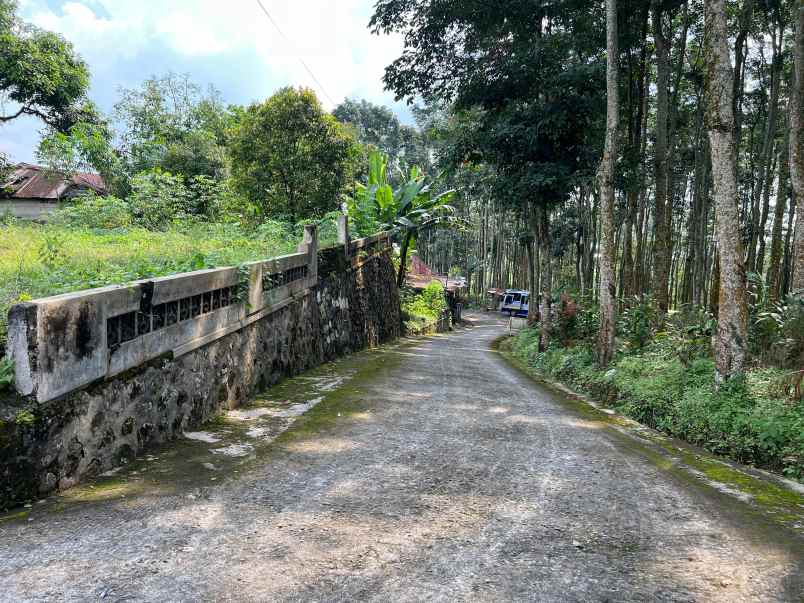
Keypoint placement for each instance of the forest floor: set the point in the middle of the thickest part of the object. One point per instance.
(427, 470)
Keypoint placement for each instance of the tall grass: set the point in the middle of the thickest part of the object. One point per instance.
(42, 260)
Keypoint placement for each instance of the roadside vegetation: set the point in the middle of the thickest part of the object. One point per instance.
(423, 309)
(662, 377)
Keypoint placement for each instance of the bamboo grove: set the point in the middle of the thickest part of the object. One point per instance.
(685, 177)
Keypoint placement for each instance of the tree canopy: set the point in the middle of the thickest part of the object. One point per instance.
(379, 127)
(40, 73)
(291, 158)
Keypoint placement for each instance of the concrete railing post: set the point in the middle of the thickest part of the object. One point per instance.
(343, 234)
(309, 245)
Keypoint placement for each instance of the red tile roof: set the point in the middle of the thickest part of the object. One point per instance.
(420, 275)
(34, 182)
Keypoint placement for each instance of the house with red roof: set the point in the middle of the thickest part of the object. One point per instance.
(33, 192)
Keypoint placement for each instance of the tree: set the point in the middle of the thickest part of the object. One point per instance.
(171, 123)
(797, 148)
(40, 72)
(377, 126)
(607, 248)
(410, 210)
(524, 79)
(663, 210)
(730, 338)
(86, 146)
(291, 158)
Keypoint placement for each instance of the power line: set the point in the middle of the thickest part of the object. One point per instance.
(281, 33)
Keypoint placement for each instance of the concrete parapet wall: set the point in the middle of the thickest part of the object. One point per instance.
(65, 342)
(109, 372)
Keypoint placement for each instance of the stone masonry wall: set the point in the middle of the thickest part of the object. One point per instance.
(45, 446)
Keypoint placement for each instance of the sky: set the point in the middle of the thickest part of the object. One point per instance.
(230, 44)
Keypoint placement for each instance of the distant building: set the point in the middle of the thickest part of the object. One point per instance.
(32, 192)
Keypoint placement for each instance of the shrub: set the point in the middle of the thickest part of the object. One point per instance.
(433, 298)
(637, 322)
(778, 332)
(158, 199)
(750, 420)
(6, 374)
(688, 334)
(425, 307)
(91, 211)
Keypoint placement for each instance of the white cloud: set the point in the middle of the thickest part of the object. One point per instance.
(231, 45)
(331, 36)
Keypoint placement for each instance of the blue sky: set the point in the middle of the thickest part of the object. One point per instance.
(227, 43)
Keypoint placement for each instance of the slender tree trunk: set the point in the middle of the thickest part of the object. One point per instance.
(546, 253)
(740, 48)
(773, 281)
(763, 220)
(403, 258)
(787, 267)
(764, 181)
(732, 330)
(605, 342)
(661, 254)
(797, 151)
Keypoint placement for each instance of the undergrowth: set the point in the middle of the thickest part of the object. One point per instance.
(424, 308)
(42, 260)
(751, 420)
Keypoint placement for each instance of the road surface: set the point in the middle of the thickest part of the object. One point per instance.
(441, 473)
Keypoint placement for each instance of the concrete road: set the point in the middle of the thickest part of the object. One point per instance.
(436, 473)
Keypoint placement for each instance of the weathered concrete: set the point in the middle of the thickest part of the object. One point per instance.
(437, 472)
(28, 210)
(55, 444)
(64, 342)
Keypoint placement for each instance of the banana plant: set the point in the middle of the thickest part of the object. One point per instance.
(408, 211)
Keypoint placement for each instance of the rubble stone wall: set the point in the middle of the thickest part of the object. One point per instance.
(45, 445)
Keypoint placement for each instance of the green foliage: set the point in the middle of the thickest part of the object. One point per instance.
(408, 211)
(637, 322)
(432, 297)
(527, 99)
(746, 420)
(290, 158)
(40, 71)
(92, 211)
(86, 146)
(25, 418)
(6, 374)
(378, 127)
(171, 124)
(425, 307)
(688, 334)
(157, 199)
(365, 206)
(777, 332)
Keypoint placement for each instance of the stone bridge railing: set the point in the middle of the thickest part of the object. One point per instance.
(62, 343)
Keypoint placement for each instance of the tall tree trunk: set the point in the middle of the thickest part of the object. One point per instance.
(764, 180)
(740, 54)
(773, 281)
(605, 342)
(546, 253)
(763, 220)
(661, 254)
(787, 267)
(797, 152)
(732, 330)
